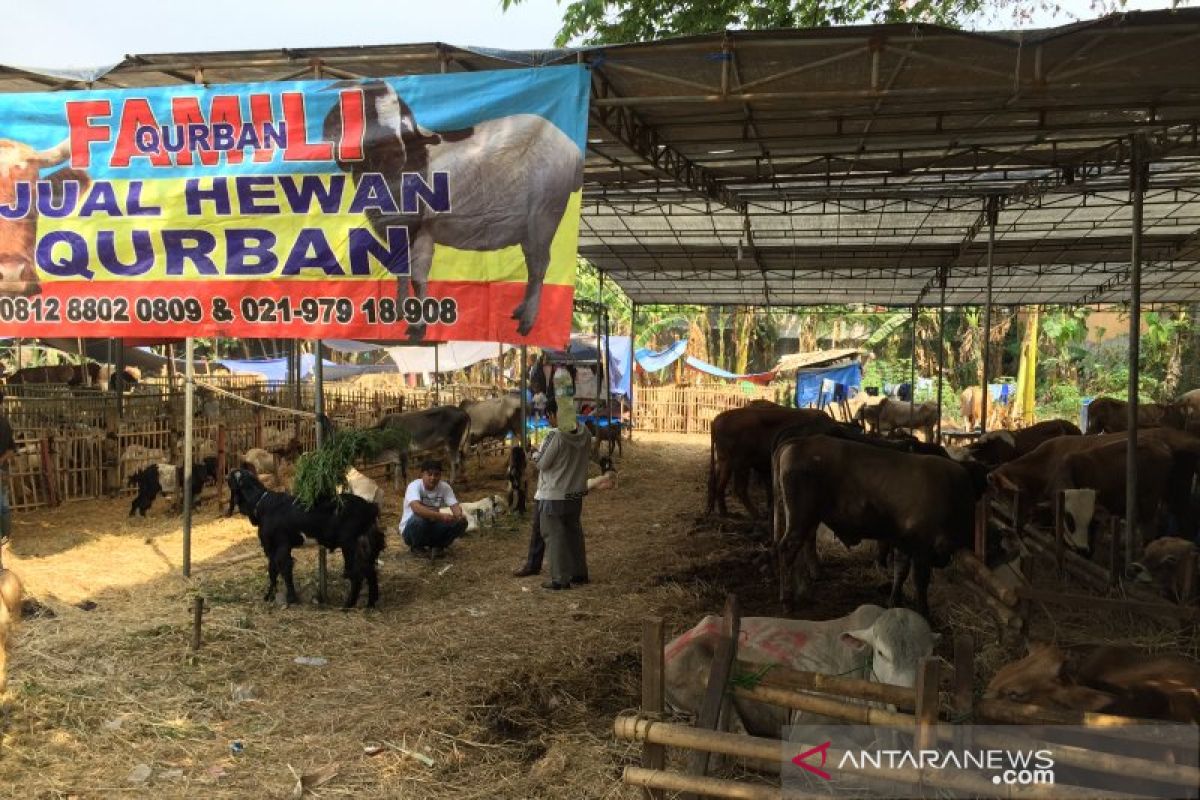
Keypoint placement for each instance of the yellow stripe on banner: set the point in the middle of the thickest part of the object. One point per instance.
(107, 235)
(508, 264)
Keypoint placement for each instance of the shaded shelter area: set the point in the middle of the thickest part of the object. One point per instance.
(891, 165)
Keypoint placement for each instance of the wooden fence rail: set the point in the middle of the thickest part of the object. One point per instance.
(689, 409)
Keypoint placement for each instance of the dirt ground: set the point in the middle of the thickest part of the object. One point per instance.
(466, 683)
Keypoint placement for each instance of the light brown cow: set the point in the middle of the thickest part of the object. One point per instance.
(10, 615)
(1164, 565)
(1106, 679)
(971, 406)
(21, 164)
(891, 414)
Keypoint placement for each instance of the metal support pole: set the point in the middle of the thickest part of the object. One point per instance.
(912, 365)
(319, 408)
(437, 368)
(601, 367)
(1137, 190)
(993, 213)
(524, 369)
(120, 368)
(941, 355)
(189, 392)
(607, 368)
(632, 368)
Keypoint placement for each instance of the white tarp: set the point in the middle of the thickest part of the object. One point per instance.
(450, 356)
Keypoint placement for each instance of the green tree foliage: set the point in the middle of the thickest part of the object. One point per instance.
(616, 21)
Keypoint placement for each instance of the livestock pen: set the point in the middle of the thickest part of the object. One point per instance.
(76, 444)
(466, 682)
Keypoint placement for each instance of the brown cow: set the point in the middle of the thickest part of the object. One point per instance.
(1164, 565)
(1036, 473)
(999, 447)
(922, 504)
(1110, 415)
(1106, 679)
(1096, 476)
(20, 165)
(740, 442)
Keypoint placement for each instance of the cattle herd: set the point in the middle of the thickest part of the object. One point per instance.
(873, 479)
(869, 478)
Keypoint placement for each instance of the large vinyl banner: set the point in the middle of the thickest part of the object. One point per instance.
(430, 208)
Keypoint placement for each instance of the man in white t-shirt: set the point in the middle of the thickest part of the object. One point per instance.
(424, 527)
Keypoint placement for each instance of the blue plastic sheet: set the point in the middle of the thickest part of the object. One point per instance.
(651, 361)
(808, 382)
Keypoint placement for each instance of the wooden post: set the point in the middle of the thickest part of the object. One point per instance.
(1060, 555)
(653, 693)
(718, 680)
(1024, 607)
(1188, 585)
(221, 454)
(983, 511)
(258, 427)
(197, 616)
(1114, 550)
(112, 472)
(964, 688)
(964, 675)
(927, 704)
(49, 472)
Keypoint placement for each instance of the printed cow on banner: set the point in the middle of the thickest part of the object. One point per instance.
(513, 179)
(22, 194)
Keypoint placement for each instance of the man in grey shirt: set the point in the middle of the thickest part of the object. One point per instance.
(562, 463)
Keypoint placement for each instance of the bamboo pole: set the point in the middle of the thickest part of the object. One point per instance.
(655, 782)
(1005, 615)
(796, 681)
(840, 709)
(984, 577)
(632, 728)
(1114, 604)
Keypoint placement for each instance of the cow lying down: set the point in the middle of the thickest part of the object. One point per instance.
(1105, 679)
(870, 643)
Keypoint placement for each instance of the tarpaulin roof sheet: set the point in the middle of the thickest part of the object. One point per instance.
(849, 164)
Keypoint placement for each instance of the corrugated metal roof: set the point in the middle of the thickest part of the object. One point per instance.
(816, 358)
(848, 165)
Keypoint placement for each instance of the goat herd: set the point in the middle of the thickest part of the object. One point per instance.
(918, 501)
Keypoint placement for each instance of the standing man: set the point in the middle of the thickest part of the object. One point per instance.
(562, 463)
(423, 526)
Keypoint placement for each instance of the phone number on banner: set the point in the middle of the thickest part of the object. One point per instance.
(220, 310)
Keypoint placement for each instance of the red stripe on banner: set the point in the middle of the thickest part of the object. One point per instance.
(451, 311)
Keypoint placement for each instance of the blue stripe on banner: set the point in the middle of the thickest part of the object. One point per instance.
(439, 103)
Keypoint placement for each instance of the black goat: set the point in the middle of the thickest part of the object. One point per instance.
(148, 487)
(148, 482)
(610, 433)
(517, 462)
(351, 526)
